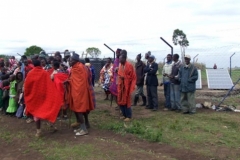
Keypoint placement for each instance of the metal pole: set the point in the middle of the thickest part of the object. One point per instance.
(227, 94)
(231, 64)
(194, 58)
(111, 50)
(167, 44)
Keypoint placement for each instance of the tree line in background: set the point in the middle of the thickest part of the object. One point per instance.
(34, 49)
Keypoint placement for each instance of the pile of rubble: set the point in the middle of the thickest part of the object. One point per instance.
(209, 105)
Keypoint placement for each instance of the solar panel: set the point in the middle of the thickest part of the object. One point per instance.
(219, 79)
(199, 81)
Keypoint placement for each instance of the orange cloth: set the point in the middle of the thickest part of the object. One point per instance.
(79, 96)
(126, 83)
(40, 95)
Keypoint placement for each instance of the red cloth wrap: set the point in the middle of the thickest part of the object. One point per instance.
(40, 94)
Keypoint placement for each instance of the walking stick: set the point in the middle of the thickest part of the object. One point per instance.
(217, 107)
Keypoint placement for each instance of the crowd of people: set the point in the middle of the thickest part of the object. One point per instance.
(178, 80)
(44, 87)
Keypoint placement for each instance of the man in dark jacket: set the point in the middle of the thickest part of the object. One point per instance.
(174, 86)
(139, 68)
(152, 83)
(188, 76)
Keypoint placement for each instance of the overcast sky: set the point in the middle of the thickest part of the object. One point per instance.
(212, 26)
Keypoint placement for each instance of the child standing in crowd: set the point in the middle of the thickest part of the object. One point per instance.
(1, 94)
(12, 106)
(56, 66)
(19, 94)
(63, 69)
(1, 91)
(5, 96)
(18, 69)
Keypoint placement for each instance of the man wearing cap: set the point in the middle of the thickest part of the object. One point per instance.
(166, 72)
(152, 83)
(43, 54)
(188, 76)
(139, 68)
(78, 95)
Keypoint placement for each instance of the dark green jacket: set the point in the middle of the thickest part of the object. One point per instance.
(188, 77)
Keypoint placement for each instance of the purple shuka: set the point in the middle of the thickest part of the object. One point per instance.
(113, 87)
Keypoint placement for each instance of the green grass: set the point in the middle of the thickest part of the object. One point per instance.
(235, 75)
(66, 151)
(207, 131)
(53, 150)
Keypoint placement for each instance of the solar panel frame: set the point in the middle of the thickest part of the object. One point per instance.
(218, 79)
(199, 81)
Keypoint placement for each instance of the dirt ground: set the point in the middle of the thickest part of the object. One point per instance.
(103, 139)
(106, 141)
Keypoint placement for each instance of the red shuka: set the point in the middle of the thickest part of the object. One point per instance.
(79, 96)
(126, 84)
(40, 95)
(59, 78)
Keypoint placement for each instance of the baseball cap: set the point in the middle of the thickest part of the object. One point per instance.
(152, 56)
(187, 56)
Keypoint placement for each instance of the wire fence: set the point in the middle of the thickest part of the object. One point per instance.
(225, 57)
(205, 56)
